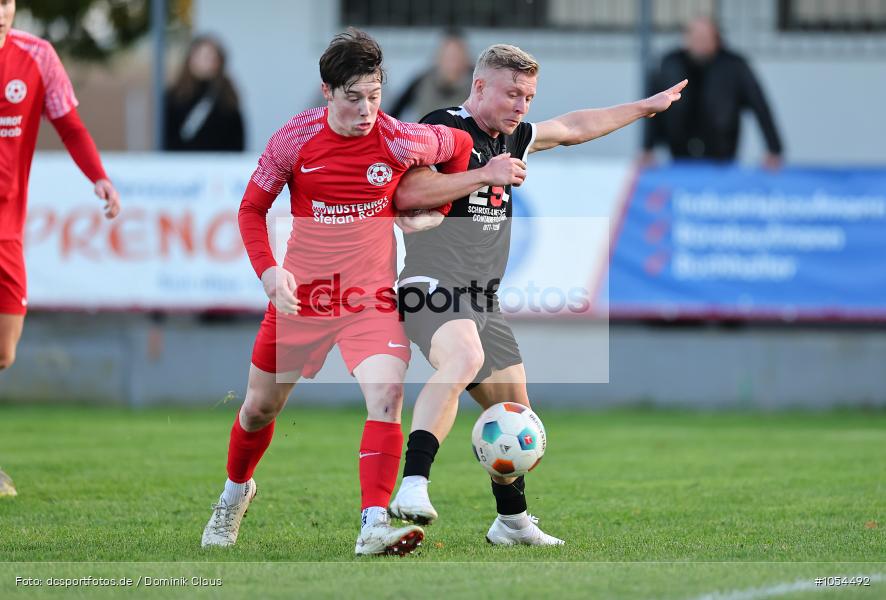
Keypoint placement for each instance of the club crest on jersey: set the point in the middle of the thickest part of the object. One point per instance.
(379, 174)
(16, 90)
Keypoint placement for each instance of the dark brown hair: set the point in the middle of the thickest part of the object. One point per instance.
(350, 56)
(186, 86)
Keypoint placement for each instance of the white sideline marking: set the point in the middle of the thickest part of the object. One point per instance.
(801, 585)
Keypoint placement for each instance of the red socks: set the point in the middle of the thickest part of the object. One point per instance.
(246, 449)
(380, 451)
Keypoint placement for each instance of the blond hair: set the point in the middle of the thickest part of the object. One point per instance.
(505, 56)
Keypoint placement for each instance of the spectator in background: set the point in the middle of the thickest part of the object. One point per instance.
(202, 108)
(446, 83)
(707, 123)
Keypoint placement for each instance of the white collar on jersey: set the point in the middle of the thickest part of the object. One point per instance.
(461, 112)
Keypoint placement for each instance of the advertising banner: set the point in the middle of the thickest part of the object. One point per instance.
(176, 245)
(719, 241)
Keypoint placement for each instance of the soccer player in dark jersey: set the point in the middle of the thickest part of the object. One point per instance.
(469, 343)
(33, 82)
(342, 163)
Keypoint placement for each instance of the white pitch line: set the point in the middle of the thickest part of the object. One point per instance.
(773, 591)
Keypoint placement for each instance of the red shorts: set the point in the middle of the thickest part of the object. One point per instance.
(297, 343)
(13, 282)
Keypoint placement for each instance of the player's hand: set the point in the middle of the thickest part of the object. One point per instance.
(663, 100)
(280, 287)
(106, 191)
(772, 162)
(412, 221)
(504, 170)
(646, 159)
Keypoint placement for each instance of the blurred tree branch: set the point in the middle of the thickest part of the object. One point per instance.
(94, 30)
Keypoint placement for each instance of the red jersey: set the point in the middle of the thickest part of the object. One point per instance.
(32, 82)
(341, 194)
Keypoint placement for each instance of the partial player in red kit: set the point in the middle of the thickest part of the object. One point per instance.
(33, 82)
(342, 164)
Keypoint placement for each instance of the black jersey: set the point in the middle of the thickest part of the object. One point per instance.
(470, 247)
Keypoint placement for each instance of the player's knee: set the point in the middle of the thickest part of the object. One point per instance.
(253, 420)
(7, 357)
(384, 402)
(255, 415)
(468, 360)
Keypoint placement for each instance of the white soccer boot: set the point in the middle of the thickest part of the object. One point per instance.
(224, 524)
(378, 536)
(412, 503)
(502, 534)
(7, 488)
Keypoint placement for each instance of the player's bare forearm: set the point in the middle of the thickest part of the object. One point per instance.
(424, 188)
(592, 123)
(583, 126)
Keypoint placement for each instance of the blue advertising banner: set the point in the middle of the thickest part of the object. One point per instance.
(732, 242)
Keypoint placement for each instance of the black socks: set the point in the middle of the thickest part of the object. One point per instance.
(421, 448)
(510, 499)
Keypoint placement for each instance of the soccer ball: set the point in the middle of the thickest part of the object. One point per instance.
(509, 439)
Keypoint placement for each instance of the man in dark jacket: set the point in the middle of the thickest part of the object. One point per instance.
(706, 124)
(446, 83)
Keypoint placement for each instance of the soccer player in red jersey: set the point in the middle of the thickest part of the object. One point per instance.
(342, 163)
(33, 82)
(471, 346)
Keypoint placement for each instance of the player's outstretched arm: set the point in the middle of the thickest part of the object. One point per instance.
(583, 126)
(425, 188)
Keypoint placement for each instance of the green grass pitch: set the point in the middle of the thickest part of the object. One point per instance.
(652, 505)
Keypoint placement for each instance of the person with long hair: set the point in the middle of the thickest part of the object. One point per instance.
(202, 106)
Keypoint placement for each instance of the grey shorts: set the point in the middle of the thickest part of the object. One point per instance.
(426, 305)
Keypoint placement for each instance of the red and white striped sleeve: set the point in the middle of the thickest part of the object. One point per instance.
(273, 172)
(59, 99)
(414, 144)
(275, 164)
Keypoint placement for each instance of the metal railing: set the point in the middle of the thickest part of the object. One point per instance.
(801, 29)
